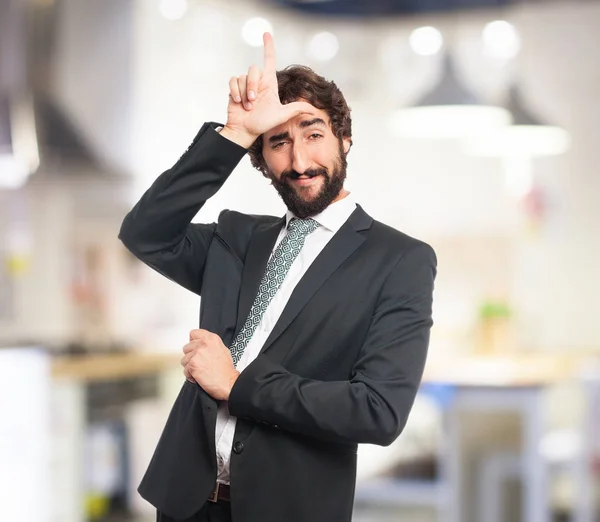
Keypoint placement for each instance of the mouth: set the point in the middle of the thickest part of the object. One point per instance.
(303, 180)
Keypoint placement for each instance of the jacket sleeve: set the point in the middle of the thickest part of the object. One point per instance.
(158, 230)
(373, 406)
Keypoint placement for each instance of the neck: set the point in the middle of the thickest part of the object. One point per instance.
(343, 193)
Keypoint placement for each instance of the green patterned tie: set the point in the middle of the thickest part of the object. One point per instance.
(277, 268)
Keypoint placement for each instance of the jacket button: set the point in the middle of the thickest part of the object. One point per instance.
(238, 447)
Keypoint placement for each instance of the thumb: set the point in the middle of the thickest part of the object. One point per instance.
(197, 334)
(293, 109)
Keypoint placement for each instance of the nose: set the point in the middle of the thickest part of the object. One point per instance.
(300, 159)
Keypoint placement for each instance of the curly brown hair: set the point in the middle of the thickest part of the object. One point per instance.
(300, 82)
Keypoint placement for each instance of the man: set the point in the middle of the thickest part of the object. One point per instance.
(314, 326)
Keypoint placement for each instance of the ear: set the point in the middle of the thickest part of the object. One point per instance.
(347, 142)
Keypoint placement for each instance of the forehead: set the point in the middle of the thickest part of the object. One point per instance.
(296, 123)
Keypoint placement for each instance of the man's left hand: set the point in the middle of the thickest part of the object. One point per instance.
(208, 361)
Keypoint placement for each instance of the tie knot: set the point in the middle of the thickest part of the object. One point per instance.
(302, 227)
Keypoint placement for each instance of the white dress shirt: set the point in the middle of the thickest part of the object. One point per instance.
(330, 221)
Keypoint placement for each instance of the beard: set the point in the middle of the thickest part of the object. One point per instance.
(305, 207)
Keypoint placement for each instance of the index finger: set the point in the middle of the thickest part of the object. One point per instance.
(269, 65)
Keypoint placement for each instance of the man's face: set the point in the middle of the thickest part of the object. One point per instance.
(306, 162)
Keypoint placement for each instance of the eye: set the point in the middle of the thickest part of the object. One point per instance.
(278, 145)
(315, 136)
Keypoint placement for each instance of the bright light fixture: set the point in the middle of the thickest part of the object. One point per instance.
(447, 121)
(521, 140)
(323, 46)
(501, 40)
(528, 136)
(426, 41)
(13, 173)
(253, 31)
(19, 155)
(173, 9)
(448, 111)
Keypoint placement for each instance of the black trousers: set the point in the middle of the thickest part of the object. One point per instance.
(211, 512)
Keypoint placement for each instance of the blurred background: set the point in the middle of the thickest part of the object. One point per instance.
(476, 129)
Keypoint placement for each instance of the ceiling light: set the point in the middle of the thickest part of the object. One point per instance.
(173, 9)
(18, 145)
(253, 31)
(448, 111)
(501, 40)
(528, 136)
(323, 46)
(426, 41)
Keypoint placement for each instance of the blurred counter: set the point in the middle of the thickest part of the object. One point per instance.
(108, 367)
(493, 370)
(511, 370)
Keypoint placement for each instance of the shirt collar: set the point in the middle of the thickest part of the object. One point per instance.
(334, 216)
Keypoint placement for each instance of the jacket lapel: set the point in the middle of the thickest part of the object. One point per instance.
(259, 250)
(339, 248)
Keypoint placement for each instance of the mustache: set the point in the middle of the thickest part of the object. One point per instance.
(311, 173)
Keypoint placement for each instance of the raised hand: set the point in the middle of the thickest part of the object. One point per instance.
(254, 105)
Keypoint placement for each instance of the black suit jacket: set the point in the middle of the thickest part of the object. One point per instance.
(341, 366)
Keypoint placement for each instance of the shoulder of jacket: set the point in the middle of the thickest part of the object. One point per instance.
(233, 219)
(390, 233)
(399, 241)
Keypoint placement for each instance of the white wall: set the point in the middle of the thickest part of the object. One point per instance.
(556, 281)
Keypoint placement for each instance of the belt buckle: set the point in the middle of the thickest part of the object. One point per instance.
(214, 496)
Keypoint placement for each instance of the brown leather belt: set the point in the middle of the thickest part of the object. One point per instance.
(220, 492)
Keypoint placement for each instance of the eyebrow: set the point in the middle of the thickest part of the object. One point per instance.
(302, 125)
(310, 123)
